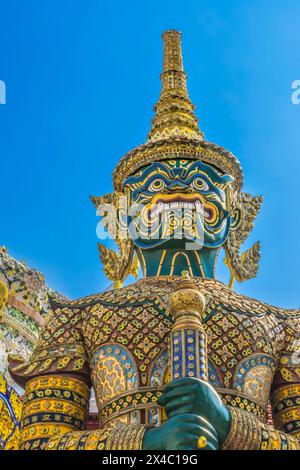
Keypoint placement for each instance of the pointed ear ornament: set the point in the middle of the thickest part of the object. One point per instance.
(117, 265)
(243, 266)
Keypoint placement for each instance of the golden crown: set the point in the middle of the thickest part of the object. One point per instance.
(175, 132)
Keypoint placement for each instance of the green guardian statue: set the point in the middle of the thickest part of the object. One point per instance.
(177, 360)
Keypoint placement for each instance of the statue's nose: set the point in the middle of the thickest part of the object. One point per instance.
(177, 186)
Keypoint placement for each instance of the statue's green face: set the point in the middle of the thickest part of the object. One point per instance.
(178, 201)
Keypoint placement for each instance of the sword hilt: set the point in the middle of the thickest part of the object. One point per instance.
(188, 338)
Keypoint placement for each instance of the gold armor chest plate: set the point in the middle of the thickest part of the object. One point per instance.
(126, 335)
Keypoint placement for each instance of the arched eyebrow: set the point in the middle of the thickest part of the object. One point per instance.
(148, 171)
(217, 179)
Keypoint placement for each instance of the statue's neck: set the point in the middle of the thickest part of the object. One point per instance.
(157, 262)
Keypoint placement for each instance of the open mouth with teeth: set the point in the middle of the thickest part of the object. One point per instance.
(175, 202)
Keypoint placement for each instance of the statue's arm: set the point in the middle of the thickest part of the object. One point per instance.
(57, 392)
(52, 406)
(247, 431)
(54, 417)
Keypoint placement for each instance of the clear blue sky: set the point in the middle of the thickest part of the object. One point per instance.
(82, 77)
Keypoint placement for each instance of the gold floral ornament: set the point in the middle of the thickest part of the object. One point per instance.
(116, 266)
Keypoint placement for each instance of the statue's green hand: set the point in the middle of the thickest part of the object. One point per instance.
(190, 395)
(181, 433)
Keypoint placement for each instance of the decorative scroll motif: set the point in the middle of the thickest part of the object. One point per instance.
(244, 266)
(113, 372)
(116, 266)
(254, 376)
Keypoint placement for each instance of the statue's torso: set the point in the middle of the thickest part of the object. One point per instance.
(126, 335)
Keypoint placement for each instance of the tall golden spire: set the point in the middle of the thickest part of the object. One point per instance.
(174, 112)
(175, 132)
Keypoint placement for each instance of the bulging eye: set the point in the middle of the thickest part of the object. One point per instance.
(157, 185)
(200, 184)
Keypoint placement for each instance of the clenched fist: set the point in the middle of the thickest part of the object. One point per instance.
(181, 432)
